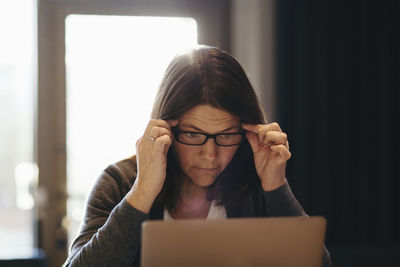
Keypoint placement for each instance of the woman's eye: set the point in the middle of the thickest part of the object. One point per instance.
(226, 136)
(191, 135)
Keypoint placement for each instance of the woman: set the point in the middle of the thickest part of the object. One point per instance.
(206, 153)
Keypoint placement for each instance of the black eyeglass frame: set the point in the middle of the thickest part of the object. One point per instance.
(208, 136)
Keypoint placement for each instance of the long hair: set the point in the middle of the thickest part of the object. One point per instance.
(209, 76)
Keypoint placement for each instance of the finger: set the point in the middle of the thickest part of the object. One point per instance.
(275, 126)
(253, 141)
(261, 129)
(254, 128)
(137, 141)
(257, 128)
(173, 122)
(282, 152)
(162, 144)
(250, 127)
(274, 137)
(159, 123)
(157, 131)
(264, 131)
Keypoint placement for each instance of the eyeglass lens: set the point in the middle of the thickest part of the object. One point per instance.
(193, 138)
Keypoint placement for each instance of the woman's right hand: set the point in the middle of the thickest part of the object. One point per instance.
(151, 156)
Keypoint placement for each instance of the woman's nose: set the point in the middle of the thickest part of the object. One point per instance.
(209, 149)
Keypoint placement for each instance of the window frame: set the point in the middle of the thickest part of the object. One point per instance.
(213, 21)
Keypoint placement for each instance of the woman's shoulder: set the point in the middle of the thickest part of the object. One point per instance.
(124, 170)
(117, 179)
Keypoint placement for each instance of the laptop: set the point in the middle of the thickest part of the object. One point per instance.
(276, 241)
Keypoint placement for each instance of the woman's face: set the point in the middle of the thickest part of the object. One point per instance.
(202, 164)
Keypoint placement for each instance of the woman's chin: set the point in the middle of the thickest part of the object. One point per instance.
(203, 180)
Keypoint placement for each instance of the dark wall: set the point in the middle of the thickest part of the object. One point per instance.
(338, 91)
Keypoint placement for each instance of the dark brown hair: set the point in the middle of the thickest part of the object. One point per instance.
(209, 76)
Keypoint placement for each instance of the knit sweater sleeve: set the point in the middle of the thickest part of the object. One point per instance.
(110, 231)
(282, 202)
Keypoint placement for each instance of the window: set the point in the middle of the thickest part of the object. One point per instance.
(114, 65)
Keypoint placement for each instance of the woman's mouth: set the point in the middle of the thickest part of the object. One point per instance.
(205, 169)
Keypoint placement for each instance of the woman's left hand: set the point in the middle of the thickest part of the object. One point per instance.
(271, 152)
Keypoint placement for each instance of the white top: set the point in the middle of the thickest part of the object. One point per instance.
(215, 212)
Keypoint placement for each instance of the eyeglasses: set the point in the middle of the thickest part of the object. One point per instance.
(198, 139)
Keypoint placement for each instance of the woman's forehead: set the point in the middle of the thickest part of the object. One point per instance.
(208, 118)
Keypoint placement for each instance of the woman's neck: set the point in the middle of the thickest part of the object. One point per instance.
(193, 202)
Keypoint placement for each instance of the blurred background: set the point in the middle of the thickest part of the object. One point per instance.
(78, 78)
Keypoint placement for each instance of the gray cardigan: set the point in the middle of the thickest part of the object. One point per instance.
(110, 231)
